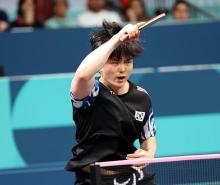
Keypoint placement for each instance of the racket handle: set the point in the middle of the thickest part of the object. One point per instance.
(123, 37)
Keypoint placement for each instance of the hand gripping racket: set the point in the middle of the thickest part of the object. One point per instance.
(147, 23)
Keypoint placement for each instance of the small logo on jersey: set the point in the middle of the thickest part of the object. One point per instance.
(112, 92)
(139, 116)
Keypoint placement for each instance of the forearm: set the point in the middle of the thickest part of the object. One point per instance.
(96, 59)
(150, 145)
(84, 76)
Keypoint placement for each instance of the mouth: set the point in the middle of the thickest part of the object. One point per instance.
(121, 77)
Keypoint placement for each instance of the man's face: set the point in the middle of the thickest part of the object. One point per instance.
(96, 5)
(3, 25)
(181, 12)
(137, 7)
(60, 8)
(115, 73)
(27, 6)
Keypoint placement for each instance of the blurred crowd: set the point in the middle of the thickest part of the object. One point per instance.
(54, 13)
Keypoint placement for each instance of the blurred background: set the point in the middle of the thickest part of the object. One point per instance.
(43, 41)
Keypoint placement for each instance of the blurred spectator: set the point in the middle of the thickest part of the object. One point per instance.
(43, 10)
(113, 5)
(180, 11)
(26, 15)
(59, 18)
(3, 21)
(96, 13)
(124, 4)
(136, 11)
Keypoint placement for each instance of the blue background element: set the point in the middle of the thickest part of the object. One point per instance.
(47, 51)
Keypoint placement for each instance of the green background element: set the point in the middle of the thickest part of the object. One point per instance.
(10, 156)
(187, 134)
(43, 103)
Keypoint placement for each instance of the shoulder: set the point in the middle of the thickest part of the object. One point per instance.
(140, 95)
(84, 15)
(52, 22)
(112, 15)
(141, 90)
(88, 100)
(82, 19)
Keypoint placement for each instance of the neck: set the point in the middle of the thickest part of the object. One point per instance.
(119, 91)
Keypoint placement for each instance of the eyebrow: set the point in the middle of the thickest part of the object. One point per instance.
(130, 58)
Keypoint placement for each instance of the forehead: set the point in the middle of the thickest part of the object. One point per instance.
(123, 57)
(182, 6)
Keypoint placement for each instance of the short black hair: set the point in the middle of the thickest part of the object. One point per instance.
(3, 16)
(131, 49)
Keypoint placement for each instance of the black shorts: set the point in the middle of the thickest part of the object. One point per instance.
(83, 178)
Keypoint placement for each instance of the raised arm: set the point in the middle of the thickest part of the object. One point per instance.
(83, 81)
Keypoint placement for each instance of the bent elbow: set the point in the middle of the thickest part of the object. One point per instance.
(81, 86)
(81, 77)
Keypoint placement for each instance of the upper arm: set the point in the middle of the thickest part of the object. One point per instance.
(88, 99)
(81, 88)
(148, 134)
(149, 128)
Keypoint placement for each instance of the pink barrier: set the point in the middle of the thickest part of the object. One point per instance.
(157, 160)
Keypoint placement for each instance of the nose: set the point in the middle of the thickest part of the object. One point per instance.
(121, 67)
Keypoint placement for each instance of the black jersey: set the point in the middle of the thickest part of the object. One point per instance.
(108, 124)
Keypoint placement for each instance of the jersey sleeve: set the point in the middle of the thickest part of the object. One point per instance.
(149, 129)
(87, 101)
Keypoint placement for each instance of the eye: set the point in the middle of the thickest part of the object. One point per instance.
(128, 61)
(113, 62)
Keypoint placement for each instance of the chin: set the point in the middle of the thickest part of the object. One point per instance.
(116, 84)
(119, 85)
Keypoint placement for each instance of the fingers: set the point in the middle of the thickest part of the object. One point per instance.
(140, 153)
(133, 32)
(140, 24)
(137, 154)
(129, 32)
